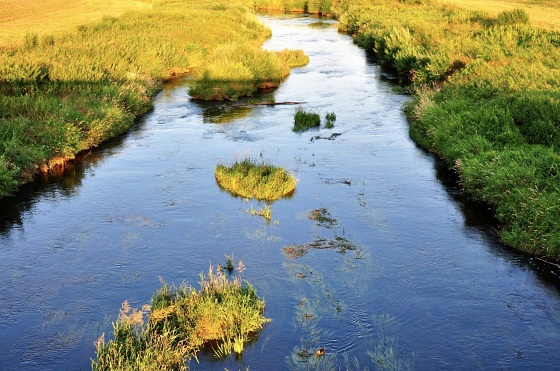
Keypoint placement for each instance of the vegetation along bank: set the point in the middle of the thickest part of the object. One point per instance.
(62, 93)
(487, 101)
(486, 85)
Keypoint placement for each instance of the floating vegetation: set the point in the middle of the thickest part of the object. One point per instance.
(252, 179)
(323, 218)
(180, 320)
(305, 120)
(333, 136)
(340, 244)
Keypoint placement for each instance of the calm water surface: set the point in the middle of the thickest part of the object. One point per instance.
(400, 270)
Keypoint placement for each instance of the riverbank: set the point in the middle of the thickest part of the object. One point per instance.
(487, 101)
(63, 93)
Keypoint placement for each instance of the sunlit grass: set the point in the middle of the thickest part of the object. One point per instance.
(251, 178)
(164, 335)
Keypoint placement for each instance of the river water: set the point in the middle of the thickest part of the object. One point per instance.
(397, 271)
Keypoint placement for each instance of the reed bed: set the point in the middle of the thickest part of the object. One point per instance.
(250, 178)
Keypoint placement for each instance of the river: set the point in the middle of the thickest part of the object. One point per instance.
(396, 270)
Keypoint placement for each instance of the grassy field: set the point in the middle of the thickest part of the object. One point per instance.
(46, 17)
(543, 13)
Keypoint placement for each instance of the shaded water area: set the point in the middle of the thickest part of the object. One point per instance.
(375, 257)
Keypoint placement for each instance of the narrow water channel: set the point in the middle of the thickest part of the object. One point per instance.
(373, 258)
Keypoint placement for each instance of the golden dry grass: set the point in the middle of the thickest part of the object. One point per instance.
(542, 13)
(44, 17)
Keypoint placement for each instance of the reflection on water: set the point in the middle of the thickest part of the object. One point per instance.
(377, 259)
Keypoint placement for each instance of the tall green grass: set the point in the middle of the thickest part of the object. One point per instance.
(62, 94)
(180, 320)
(487, 101)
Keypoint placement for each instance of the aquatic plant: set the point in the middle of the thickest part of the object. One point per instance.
(255, 179)
(180, 320)
(330, 118)
(265, 211)
(304, 120)
(340, 244)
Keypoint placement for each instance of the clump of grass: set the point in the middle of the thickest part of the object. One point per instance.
(180, 320)
(250, 178)
(229, 262)
(330, 118)
(265, 212)
(305, 120)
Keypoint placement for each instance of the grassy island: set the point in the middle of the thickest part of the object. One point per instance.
(252, 179)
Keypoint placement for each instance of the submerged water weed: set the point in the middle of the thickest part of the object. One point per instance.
(251, 178)
(323, 218)
(305, 120)
(340, 244)
(180, 320)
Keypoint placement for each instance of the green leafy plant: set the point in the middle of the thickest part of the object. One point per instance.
(330, 118)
